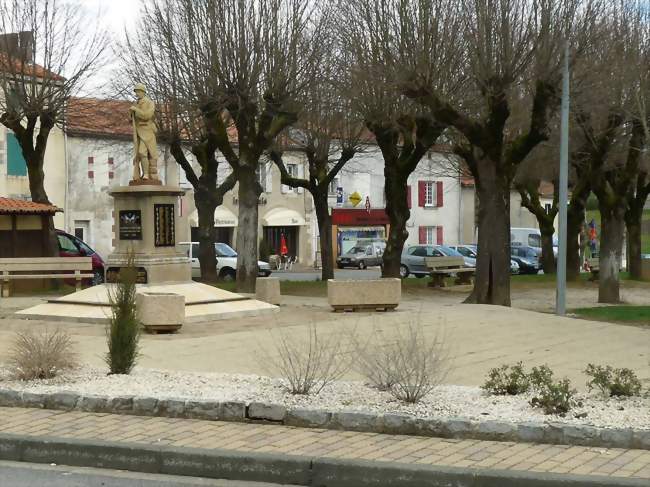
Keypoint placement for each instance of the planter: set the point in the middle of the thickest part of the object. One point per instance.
(160, 312)
(375, 294)
(267, 289)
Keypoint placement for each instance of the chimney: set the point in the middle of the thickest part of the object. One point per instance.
(19, 46)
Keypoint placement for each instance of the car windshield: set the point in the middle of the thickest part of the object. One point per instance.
(448, 251)
(464, 251)
(224, 250)
(357, 250)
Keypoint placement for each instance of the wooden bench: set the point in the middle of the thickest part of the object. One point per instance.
(442, 267)
(44, 268)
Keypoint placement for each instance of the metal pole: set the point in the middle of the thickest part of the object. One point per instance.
(560, 298)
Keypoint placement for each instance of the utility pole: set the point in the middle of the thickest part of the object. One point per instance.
(560, 297)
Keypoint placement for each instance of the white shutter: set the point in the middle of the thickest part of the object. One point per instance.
(301, 175)
(269, 177)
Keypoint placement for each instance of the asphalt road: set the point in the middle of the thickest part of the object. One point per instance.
(13, 474)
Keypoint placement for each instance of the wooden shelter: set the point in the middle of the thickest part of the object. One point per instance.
(24, 228)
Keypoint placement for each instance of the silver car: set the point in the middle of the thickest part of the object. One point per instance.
(412, 261)
(361, 256)
(469, 250)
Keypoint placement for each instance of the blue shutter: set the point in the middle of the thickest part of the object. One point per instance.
(16, 165)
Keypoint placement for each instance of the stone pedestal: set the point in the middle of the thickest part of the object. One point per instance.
(147, 224)
(267, 289)
(160, 312)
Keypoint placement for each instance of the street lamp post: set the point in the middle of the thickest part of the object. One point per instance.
(560, 301)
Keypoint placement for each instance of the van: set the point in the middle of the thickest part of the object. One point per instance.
(531, 237)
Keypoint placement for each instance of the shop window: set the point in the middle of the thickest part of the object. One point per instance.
(16, 165)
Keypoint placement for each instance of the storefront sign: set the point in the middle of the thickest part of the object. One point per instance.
(130, 225)
(359, 217)
(224, 223)
(163, 217)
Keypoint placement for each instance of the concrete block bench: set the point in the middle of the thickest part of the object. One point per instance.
(267, 289)
(443, 267)
(374, 294)
(160, 312)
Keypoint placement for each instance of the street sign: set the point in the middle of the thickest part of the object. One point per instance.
(355, 198)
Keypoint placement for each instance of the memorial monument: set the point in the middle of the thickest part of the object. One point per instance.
(148, 227)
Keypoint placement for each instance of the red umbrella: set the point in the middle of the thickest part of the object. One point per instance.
(284, 250)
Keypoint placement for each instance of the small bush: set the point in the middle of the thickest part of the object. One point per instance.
(41, 355)
(309, 361)
(123, 329)
(507, 380)
(553, 397)
(613, 382)
(375, 360)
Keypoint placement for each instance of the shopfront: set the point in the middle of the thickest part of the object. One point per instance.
(281, 223)
(351, 224)
(225, 222)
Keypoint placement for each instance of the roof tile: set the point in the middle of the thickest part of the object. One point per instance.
(14, 206)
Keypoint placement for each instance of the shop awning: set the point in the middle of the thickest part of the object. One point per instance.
(283, 217)
(223, 217)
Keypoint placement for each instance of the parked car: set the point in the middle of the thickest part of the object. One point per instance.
(531, 237)
(362, 255)
(71, 246)
(527, 257)
(412, 261)
(226, 261)
(470, 250)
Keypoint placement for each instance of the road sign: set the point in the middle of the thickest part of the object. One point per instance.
(355, 198)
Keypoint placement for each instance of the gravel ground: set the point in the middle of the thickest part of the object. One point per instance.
(444, 401)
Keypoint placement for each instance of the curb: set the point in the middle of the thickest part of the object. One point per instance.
(283, 469)
(389, 423)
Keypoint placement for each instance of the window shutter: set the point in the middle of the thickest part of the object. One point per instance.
(439, 194)
(408, 196)
(439, 235)
(423, 235)
(422, 193)
(269, 177)
(301, 174)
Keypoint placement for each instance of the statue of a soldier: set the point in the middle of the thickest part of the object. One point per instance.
(145, 160)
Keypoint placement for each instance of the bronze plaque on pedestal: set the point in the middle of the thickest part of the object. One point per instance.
(130, 225)
(163, 218)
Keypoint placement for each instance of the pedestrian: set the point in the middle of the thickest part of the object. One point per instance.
(593, 237)
(583, 242)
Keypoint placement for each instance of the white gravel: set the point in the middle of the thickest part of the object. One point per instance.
(444, 401)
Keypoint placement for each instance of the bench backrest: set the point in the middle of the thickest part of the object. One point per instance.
(32, 264)
(444, 262)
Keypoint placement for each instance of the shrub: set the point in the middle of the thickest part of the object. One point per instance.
(309, 361)
(507, 380)
(553, 397)
(375, 360)
(123, 329)
(613, 382)
(421, 363)
(41, 355)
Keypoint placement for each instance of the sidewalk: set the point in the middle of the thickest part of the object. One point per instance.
(368, 450)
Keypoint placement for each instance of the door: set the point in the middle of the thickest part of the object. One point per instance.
(415, 258)
(82, 231)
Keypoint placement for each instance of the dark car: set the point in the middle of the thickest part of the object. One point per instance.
(71, 246)
(527, 258)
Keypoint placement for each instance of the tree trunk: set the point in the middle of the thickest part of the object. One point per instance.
(548, 257)
(492, 281)
(398, 214)
(325, 231)
(633, 227)
(249, 193)
(575, 218)
(207, 236)
(611, 248)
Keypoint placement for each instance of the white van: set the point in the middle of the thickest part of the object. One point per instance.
(532, 237)
(226, 261)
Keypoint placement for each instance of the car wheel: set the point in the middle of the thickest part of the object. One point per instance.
(403, 271)
(228, 275)
(362, 265)
(98, 277)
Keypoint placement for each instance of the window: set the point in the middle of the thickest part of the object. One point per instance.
(430, 235)
(418, 251)
(547, 208)
(429, 193)
(334, 183)
(292, 169)
(261, 175)
(67, 245)
(16, 165)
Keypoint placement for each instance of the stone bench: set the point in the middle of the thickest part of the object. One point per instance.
(594, 267)
(442, 267)
(373, 294)
(267, 289)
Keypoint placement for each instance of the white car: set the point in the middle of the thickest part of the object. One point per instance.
(226, 261)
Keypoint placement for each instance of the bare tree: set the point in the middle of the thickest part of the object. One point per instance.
(512, 51)
(47, 54)
(172, 52)
(262, 53)
(371, 40)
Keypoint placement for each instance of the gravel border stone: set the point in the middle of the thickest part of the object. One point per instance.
(401, 424)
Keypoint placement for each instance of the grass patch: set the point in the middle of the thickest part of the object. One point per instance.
(639, 315)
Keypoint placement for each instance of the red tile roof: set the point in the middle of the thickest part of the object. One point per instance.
(99, 118)
(17, 66)
(10, 206)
